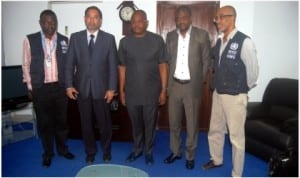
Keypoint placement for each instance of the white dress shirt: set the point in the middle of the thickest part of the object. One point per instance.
(89, 37)
(182, 71)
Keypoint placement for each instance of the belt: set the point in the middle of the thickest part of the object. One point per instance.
(51, 83)
(181, 81)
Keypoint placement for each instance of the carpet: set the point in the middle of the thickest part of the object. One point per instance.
(23, 159)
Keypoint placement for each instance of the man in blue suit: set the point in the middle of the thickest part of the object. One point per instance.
(91, 79)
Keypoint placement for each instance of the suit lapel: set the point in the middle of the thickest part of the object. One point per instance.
(191, 44)
(176, 44)
(84, 43)
(98, 44)
(175, 47)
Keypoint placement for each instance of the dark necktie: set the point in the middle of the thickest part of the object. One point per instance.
(91, 44)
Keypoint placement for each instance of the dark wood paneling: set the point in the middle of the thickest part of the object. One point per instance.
(203, 13)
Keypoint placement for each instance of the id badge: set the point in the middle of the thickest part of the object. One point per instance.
(48, 62)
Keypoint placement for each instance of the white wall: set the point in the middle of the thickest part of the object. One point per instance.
(111, 22)
(276, 37)
(18, 19)
(272, 25)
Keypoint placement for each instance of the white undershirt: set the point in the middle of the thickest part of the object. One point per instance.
(89, 36)
(182, 66)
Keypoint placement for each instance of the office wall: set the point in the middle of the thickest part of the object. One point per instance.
(276, 34)
(110, 22)
(18, 19)
(272, 25)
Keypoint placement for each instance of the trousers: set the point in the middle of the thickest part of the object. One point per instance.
(228, 112)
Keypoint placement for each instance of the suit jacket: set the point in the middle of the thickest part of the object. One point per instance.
(97, 73)
(199, 59)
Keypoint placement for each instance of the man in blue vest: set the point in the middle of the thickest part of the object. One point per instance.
(235, 73)
(44, 55)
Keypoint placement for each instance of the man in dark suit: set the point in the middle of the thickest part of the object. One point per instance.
(189, 48)
(44, 55)
(91, 78)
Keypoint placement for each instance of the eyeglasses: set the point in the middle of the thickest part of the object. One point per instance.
(221, 17)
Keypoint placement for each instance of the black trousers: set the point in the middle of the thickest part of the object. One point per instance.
(143, 119)
(50, 104)
(95, 113)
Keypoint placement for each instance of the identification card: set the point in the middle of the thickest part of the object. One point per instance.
(48, 61)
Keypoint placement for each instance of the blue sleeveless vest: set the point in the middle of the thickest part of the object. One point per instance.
(37, 72)
(230, 73)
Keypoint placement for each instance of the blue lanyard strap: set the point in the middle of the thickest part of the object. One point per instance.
(45, 47)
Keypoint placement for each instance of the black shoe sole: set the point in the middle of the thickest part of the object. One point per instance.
(46, 163)
(133, 158)
(169, 161)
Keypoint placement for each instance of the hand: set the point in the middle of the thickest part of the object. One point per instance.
(30, 94)
(72, 93)
(109, 95)
(162, 97)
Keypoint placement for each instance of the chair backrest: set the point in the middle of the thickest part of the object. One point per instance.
(282, 92)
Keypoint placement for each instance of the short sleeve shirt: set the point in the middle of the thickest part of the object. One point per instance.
(141, 57)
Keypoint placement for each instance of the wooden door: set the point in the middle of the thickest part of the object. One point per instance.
(203, 13)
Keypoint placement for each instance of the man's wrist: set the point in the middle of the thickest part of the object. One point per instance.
(164, 89)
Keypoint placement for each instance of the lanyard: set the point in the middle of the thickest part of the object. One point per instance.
(45, 46)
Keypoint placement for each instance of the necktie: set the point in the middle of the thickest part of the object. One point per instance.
(91, 44)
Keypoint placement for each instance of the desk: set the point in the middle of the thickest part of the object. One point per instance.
(18, 124)
(7, 130)
(110, 170)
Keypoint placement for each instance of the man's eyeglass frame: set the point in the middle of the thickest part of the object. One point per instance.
(221, 17)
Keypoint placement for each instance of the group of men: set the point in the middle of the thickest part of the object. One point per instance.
(150, 73)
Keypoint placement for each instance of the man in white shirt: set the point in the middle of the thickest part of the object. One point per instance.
(189, 50)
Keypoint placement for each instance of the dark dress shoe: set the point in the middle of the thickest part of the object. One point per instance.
(190, 164)
(132, 157)
(210, 165)
(106, 158)
(68, 155)
(46, 162)
(90, 159)
(149, 159)
(171, 158)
